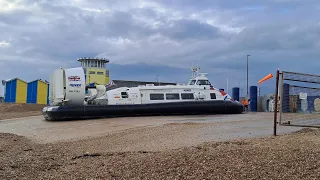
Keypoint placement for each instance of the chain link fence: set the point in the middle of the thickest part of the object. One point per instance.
(299, 99)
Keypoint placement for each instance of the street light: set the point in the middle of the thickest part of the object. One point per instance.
(247, 75)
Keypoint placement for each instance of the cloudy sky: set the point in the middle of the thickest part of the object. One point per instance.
(146, 38)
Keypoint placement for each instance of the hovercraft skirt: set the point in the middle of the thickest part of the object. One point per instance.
(172, 108)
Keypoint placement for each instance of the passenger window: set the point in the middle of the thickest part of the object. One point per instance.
(187, 96)
(100, 73)
(124, 95)
(213, 95)
(172, 96)
(156, 96)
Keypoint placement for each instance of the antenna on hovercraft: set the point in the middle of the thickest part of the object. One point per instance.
(195, 71)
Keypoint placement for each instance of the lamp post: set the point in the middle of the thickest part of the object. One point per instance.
(227, 84)
(248, 75)
(157, 80)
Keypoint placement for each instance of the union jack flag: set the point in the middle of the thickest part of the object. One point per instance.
(74, 78)
(223, 93)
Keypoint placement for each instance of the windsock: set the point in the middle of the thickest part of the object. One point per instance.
(269, 76)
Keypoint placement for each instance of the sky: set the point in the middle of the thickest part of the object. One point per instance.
(148, 38)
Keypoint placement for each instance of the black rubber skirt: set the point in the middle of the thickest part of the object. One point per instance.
(172, 108)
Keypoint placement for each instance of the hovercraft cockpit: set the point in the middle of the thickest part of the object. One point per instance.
(200, 79)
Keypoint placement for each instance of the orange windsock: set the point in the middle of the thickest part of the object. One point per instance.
(269, 76)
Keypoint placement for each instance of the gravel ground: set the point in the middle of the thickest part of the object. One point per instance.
(291, 156)
(150, 133)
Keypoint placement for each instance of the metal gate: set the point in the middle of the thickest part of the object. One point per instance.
(299, 99)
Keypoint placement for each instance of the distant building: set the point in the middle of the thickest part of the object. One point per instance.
(38, 92)
(15, 90)
(95, 70)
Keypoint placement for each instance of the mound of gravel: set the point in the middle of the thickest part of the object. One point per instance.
(7, 107)
(11, 111)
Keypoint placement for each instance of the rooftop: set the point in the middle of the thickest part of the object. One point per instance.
(124, 83)
(93, 59)
(44, 81)
(8, 80)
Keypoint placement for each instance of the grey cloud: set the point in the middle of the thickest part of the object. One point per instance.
(276, 33)
(15, 18)
(234, 4)
(185, 29)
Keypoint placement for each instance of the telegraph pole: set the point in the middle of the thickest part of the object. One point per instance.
(248, 75)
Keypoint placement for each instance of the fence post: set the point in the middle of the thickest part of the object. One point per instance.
(276, 105)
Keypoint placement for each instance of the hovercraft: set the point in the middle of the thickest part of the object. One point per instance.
(69, 100)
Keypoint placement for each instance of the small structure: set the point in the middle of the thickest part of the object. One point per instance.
(95, 71)
(37, 92)
(15, 90)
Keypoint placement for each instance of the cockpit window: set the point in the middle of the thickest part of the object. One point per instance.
(203, 82)
(192, 82)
